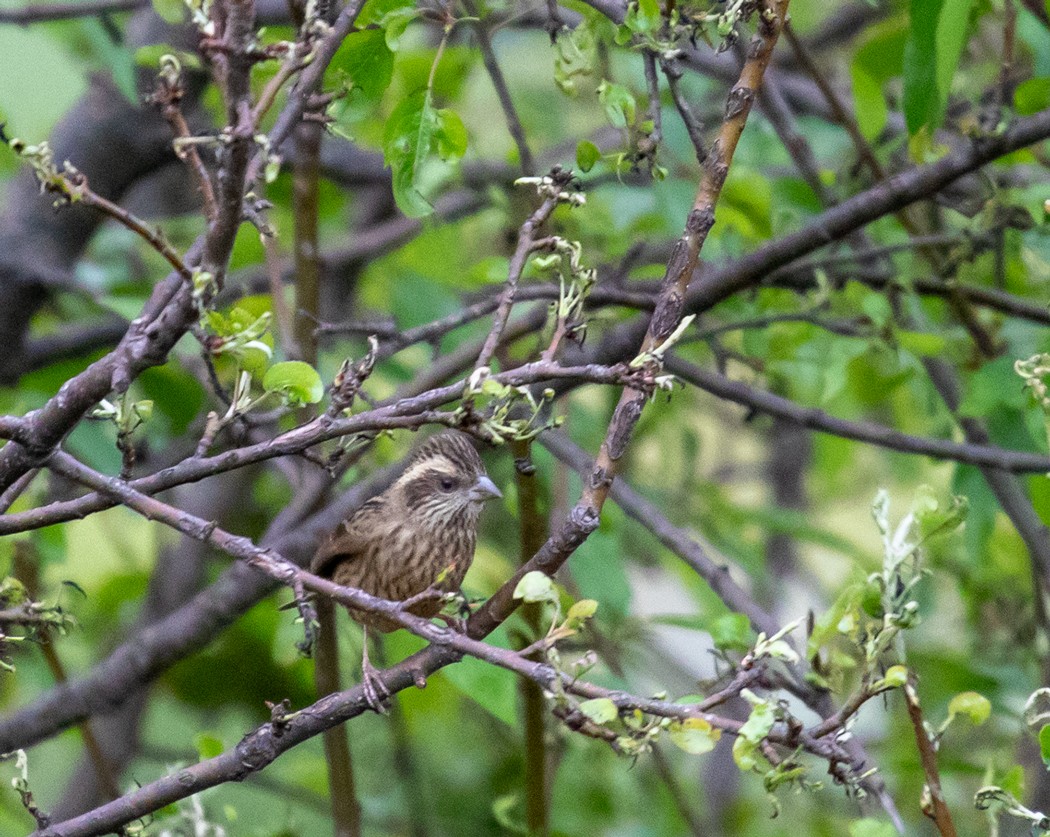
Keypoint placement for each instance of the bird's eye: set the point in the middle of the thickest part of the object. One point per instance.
(447, 483)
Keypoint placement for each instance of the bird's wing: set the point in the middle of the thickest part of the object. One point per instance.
(349, 539)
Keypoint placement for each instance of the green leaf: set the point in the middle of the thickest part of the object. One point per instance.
(830, 624)
(600, 710)
(878, 59)
(581, 612)
(643, 17)
(731, 631)
(170, 11)
(938, 35)
(991, 388)
(895, 677)
(920, 65)
(1044, 744)
(450, 135)
(974, 706)
(587, 154)
(364, 62)
(207, 745)
(759, 723)
(505, 812)
(745, 753)
(375, 11)
(619, 103)
(869, 827)
(416, 131)
(116, 59)
(297, 381)
(394, 24)
(1032, 96)
(694, 735)
(535, 586)
(921, 343)
(575, 57)
(869, 104)
(780, 649)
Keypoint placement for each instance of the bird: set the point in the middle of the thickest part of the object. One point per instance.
(417, 536)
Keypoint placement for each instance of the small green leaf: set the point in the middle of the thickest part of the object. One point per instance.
(415, 133)
(504, 811)
(535, 587)
(581, 612)
(575, 57)
(745, 753)
(1032, 96)
(869, 827)
(619, 104)
(207, 745)
(759, 723)
(1044, 744)
(170, 11)
(731, 631)
(939, 31)
(869, 102)
(921, 343)
(779, 649)
(394, 24)
(364, 62)
(973, 705)
(896, 676)
(450, 135)
(297, 381)
(587, 154)
(143, 409)
(694, 735)
(599, 710)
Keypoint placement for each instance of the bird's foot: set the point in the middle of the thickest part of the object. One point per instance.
(455, 623)
(377, 695)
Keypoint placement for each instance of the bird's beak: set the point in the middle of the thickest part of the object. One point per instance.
(484, 489)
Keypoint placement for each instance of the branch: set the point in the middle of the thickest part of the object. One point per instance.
(171, 309)
(935, 807)
(583, 518)
(404, 412)
(526, 244)
(42, 13)
(499, 82)
(884, 198)
(156, 647)
(261, 747)
(971, 453)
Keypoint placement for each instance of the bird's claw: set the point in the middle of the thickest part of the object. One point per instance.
(376, 693)
(455, 623)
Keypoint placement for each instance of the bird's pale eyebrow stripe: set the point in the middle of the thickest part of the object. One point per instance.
(428, 465)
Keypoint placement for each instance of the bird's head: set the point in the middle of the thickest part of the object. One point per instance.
(445, 481)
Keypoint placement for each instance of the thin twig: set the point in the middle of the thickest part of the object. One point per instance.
(499, 82)
(42, 13)
(673, 73)
(524, 247)
(934, 807)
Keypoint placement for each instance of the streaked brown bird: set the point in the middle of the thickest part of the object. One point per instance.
(418, 534)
